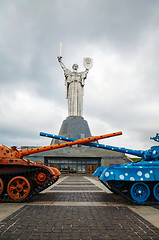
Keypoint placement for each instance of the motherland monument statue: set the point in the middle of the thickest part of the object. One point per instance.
(74, 82)
(78, 159)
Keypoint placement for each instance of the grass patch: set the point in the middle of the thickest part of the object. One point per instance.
(135, 159)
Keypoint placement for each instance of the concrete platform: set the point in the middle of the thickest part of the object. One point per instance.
(80, 207)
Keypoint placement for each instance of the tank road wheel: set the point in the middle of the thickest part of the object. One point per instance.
(140, 192)
(41, 177)
(156, 191)
(1, 186)
(18, 188)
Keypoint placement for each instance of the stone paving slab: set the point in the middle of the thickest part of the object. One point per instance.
(68, 188)
(147, 212)
(76, 203)
(7, 209)
(79, 180)
(78, 214)
(58, 191)
(61, 223)
(77, 197)
(76, 183)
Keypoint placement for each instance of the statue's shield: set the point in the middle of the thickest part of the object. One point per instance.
(88, 62)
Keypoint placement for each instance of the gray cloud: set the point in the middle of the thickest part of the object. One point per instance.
(121, 91)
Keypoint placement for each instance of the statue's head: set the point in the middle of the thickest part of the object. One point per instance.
(75, 66)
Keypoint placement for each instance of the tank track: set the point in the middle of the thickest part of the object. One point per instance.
(4, 198)
(125, 194)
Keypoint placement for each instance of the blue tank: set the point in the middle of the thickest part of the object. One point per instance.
(136, 181)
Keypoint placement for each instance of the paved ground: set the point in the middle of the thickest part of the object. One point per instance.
(78, 208)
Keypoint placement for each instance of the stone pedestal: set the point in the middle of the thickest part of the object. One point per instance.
(73, 127)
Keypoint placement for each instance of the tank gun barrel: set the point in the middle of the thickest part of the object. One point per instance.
(139, 153)
(26, 152)
(75, 139)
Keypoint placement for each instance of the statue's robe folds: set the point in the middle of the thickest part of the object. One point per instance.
(74, 82)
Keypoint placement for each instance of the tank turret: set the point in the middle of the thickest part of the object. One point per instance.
(20, 178)
(156, 138)
(136, 181)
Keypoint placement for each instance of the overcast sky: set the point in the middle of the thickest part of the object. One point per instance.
(122, 88)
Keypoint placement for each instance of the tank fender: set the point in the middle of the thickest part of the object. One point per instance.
(107, 174)
(47, 168)
(56, 171)
(99, 171)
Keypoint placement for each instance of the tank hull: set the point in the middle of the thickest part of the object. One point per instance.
(138, 182)
(20, 178)
(20, 182)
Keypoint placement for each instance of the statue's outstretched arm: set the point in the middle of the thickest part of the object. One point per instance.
(66, 71)
(84, 74)
(61, 63)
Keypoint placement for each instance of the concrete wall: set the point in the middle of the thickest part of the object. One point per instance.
(107, 157)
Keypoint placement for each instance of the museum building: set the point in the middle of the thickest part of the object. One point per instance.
(78, 159)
